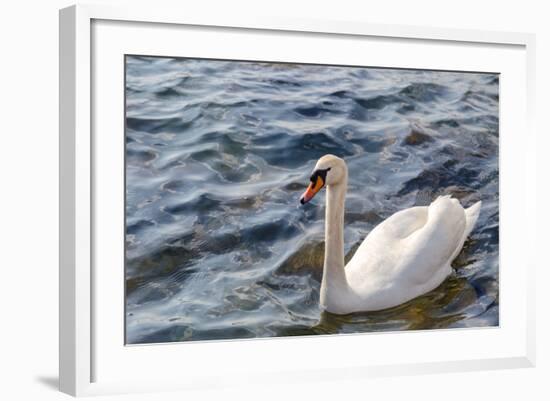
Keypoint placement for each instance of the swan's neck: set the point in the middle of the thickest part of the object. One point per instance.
(334, 276)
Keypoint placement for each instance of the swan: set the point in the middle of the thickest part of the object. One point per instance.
(405, 256)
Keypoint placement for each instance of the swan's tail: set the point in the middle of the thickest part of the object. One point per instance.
(472, 213)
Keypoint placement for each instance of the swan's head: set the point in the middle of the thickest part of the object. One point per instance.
(329, 170)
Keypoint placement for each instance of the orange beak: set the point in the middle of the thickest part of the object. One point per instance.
(312, 190)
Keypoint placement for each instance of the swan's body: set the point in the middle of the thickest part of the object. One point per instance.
(405, 256)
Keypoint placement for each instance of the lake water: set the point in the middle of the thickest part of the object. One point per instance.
(218, 154)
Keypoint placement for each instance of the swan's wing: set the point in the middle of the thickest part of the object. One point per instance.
(381, 250)
(403, 223)
(427, 253)
(413, 247)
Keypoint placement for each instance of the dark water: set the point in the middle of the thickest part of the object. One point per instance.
(218, 154)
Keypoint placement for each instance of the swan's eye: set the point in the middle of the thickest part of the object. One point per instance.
(319, 173)
(318, 179)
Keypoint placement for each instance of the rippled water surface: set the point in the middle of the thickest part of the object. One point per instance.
(218, 153)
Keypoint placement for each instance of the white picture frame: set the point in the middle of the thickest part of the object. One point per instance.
(80, 343)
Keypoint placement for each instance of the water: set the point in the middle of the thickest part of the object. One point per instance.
(218, 154)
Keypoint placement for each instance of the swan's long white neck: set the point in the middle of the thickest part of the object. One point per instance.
(334, 276)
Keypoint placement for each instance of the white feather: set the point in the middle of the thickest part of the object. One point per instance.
(405, 256)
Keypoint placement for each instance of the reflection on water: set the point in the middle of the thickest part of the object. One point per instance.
(218, 153)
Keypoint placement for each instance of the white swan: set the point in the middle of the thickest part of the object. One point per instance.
(405, 256)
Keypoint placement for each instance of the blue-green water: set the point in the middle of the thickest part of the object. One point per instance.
(218, 154)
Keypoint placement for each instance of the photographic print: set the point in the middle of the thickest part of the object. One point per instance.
(268, 199)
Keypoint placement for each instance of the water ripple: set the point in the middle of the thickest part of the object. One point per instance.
(218, 153)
